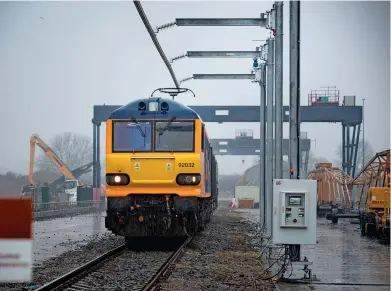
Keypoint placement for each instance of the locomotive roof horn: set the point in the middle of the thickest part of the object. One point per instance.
(173, 92)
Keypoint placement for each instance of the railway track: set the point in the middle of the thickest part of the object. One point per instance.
(119, 269)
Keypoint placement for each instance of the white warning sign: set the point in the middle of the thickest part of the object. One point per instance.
(168, 166)
(16, 260)
(16, 240)
(137, 166)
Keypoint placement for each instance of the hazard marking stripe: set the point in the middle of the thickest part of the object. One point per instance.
(16, 218)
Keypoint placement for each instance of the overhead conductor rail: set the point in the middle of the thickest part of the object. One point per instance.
(152, 34)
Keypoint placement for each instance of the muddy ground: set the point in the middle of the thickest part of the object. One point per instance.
(223, 257)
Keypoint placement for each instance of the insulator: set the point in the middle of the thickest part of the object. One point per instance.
(186, 79)
(165, 26)
(178, 57)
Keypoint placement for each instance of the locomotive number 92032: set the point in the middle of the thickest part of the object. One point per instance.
(186, 165)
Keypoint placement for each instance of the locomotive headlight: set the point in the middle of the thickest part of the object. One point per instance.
(117, 179)
(188, 179)
(153, 106)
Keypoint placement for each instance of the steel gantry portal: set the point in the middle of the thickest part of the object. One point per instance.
(349, 116)
(243, 147)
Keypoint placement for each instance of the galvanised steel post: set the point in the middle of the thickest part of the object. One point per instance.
(269, 144)
(279, 91)
(262, 138)
(94, 154)
(294, 106)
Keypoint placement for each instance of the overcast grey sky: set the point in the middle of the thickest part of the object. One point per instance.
(53, 70)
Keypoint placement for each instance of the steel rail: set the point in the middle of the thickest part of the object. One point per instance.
(162, 271)
(148, 26)
(80, 270)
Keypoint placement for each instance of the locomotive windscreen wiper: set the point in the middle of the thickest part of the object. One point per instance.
(162, 130)
(138, 126)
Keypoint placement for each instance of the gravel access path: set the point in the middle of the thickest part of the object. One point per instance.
(223, 257)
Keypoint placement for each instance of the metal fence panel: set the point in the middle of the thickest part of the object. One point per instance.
(51, 210)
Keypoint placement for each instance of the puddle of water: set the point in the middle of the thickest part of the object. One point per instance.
(53, 237)
(342, 255)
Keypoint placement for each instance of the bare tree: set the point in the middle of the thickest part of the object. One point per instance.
(321, 160)
(12, 176)
(73, 149)
(368, 155)
(89, 176)
(313, 160)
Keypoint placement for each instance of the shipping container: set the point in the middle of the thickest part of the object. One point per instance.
(246, 203)
(85, 196)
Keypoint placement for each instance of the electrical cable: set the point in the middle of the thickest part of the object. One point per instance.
(267, 244)
(290, 263)
(148, 26)
(276, 274)
(287, 262)
(283, 267)
(294, 251)
(279, 256)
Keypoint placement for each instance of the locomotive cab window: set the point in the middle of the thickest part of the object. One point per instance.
(174, 136)
(132, 136)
